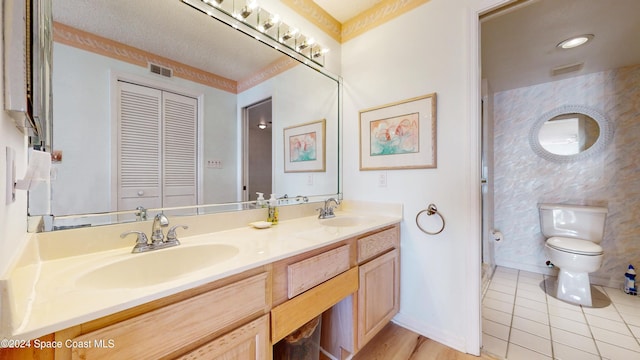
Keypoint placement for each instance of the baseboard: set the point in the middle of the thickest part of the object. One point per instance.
(605, 281)
(538, 269)
(451, 340)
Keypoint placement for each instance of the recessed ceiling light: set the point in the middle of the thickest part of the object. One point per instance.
(575, 41)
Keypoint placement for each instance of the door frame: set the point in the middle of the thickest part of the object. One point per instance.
(245, 147)
(474, 95)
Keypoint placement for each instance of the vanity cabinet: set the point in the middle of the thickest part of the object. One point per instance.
(350, 324)
(227, 320)
(353, 284)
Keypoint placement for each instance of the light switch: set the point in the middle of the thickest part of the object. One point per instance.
(382, 179)
(11, 176)
(214, 164)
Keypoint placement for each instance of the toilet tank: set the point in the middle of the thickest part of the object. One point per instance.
(573, 221)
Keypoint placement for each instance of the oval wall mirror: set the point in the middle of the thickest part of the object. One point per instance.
(569, 133)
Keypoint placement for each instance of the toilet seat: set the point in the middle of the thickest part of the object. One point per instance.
(575, 246)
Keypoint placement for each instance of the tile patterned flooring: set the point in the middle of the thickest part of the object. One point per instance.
(521, 322)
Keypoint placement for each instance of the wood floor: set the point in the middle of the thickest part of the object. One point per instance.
(397, 343)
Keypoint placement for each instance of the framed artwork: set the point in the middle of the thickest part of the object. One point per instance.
(304, 147)
(401, 135)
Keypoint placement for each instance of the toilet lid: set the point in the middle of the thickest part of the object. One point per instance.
(576, 246)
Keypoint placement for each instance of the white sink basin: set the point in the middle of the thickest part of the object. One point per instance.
(341, 221)
(155, 267)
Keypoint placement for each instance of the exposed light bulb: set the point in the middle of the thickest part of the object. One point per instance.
(289, 34)
(270, 22)
(320, 52)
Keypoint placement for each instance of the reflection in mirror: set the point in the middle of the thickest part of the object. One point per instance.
(569, 133)
(149, 113)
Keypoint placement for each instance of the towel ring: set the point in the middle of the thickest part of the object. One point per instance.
(430, 210)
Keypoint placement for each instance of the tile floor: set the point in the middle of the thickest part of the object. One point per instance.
(520, 321)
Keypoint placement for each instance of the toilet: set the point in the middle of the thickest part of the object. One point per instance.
(573, 235)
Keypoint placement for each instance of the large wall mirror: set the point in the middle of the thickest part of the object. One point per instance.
(570, 133)
(150, 109)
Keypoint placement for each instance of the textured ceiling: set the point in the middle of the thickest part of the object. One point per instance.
(519, 45)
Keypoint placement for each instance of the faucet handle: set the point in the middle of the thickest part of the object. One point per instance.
(142, 243)
(172, 236)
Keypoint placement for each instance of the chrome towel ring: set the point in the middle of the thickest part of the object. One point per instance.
(430, 210)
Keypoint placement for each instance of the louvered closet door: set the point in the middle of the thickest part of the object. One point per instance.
(180, 134)
(139, 147)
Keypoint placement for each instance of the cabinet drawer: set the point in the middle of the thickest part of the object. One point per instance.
(315, 270)
(374, 244)
(296, 312)
(164, 331)
(248, 342)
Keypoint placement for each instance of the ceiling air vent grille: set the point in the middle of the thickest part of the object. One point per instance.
(565, 69)
(160, 70)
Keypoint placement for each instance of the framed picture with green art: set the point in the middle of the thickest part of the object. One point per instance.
(401, 135)
(304, 147)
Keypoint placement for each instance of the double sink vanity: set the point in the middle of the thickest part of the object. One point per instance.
(227, 291)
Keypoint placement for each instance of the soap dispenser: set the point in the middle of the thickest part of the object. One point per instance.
(273, 210)
(260, 202)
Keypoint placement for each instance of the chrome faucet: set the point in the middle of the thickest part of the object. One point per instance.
(159, 221)
(326, 212)
(158, 240)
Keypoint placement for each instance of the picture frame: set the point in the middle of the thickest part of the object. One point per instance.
(305, 147)
(401, 135)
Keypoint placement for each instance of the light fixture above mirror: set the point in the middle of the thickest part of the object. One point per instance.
(265, 22)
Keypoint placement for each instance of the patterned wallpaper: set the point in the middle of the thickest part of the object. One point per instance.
(611, 178)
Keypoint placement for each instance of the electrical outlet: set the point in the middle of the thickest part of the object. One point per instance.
(310, 179)
(382, 179)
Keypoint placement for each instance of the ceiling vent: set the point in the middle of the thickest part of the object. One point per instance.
(565, 69)
(160, 70)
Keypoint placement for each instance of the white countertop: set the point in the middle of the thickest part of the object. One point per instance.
(45, 296)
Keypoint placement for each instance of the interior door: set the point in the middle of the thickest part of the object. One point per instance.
(139, 147)
(258, 160)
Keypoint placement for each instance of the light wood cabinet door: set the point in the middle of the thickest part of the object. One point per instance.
(248, 342)
(379, 295)
(168, 331)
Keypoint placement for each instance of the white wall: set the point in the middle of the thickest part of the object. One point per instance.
(13, 219)
(420, 52)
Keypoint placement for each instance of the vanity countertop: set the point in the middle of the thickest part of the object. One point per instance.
(49, 295)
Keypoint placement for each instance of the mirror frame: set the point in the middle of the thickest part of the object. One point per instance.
(248, 30)
(606, 132)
